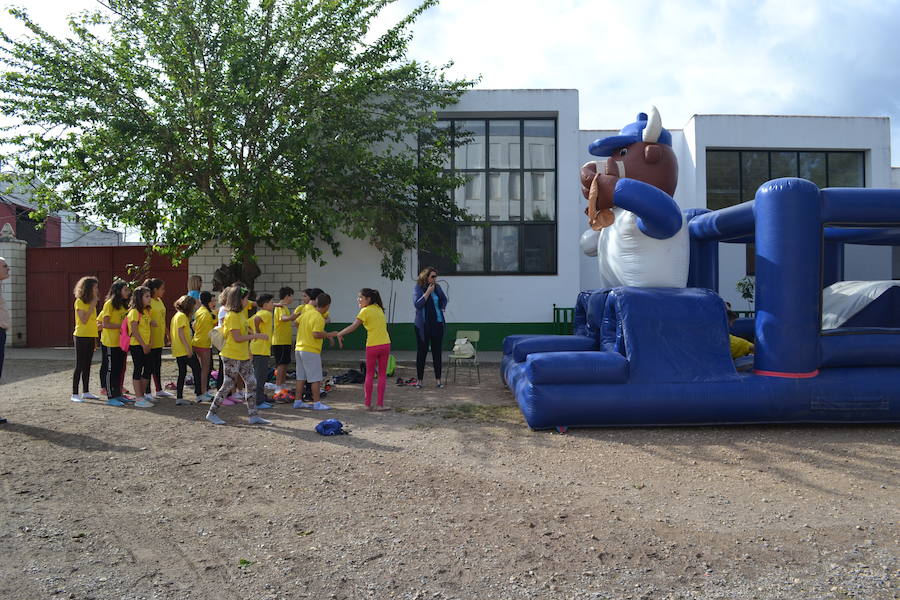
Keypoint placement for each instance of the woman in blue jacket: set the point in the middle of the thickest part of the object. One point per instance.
(430, 302)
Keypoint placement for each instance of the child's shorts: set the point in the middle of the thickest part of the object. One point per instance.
(282, 354)
(309, 366)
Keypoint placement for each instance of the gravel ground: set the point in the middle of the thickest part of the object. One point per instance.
(448, 496)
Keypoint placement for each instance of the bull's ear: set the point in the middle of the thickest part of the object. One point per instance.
(652, 154)
(588, 172)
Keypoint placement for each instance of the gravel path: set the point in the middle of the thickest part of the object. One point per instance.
(448, 496)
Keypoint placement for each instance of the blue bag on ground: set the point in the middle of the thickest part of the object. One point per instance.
(331, 427)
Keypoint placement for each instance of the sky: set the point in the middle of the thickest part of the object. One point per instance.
(687, 57)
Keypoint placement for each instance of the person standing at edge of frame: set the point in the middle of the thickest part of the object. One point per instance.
(5, 320)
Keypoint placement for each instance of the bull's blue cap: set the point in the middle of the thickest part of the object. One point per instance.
(631, 133)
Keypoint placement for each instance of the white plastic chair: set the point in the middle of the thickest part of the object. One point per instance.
(471, 362)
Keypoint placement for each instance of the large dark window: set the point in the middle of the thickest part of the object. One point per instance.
(510, 166)
(733, 176)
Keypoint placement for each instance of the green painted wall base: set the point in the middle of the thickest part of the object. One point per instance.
(403, 335)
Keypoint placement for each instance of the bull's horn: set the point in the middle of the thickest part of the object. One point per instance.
(654, 127)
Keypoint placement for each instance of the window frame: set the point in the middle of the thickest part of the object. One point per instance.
(486, 223)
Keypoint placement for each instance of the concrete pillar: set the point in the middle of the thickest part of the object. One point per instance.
(13, 289)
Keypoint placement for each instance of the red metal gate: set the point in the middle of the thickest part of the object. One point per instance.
(53, 272)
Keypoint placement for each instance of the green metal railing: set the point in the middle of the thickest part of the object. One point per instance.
(563, 320)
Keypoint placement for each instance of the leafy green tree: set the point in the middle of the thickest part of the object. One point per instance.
(277, 122)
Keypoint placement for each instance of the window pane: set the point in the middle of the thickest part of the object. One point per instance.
(845, 169)
(754, 173)
(470, 196)
(540, 144)
(812, 167)
(434, 249)
(722, 178)
(505, 141)
(504, 197)
(784, 164)
(471, 154)
(540, 196)
(504, 248)
(539, 252)
(470, 247)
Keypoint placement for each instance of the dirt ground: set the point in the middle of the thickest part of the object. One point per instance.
(448, 496)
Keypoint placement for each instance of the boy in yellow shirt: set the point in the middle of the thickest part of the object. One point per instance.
(310, 333)
(282, 332)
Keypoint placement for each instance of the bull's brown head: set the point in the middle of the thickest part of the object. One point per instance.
(645, 154)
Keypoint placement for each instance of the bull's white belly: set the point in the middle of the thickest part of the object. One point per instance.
(628, 257)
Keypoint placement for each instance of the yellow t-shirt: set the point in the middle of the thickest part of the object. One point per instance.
(110, 337)
(282, 333)
(235, 350)
(158, 314)
(311, 321)
(204, 321)
(304, 308)
(739, 346)
(262, 347)
(180, 320)
(372, 317)
(88, 329)
(143, 325)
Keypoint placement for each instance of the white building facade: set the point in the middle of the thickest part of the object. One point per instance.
(522, 256)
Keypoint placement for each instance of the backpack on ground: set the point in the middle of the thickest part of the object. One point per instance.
(331, 427)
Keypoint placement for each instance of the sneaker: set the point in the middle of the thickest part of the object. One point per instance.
(258, 420)
(417, 385)
(214, 419)
(115, 402)
(144, 403)
(164, 394)
(205, 398)
(264, 405)
(126, 398)
(77, 398)
(183, 402)
(104, 392)
(89, 396)
(320, 406)
(148, 397)
(229, 401)
(301, 404)
(440, 384)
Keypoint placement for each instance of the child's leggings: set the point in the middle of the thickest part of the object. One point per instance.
(155, 366)
(141, 364)
(234, 370)
(115, 371)
(376, 355)
(84, 353)
(185, 362)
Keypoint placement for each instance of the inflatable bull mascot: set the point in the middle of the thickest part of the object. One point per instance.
(637, 233)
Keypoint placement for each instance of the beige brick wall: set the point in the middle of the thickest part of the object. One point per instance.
(13, 290)
(279, 267)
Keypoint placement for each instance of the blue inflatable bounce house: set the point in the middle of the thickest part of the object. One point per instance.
(653, 355)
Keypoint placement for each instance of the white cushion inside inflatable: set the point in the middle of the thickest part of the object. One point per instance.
(843, 299)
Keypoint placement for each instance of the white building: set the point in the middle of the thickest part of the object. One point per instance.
(524, 158)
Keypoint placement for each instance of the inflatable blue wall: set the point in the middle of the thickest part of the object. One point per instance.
(659, 356)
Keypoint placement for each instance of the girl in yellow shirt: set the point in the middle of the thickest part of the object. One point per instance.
(182, 337)
(158, 335)
(378, 342)
(204, 321)
(113, 370)
(87, 293)
(235, 354)
(139, 330)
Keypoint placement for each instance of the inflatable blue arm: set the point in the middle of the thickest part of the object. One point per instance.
(658, 215)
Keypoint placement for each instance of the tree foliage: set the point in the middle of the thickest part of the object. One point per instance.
(277, 122)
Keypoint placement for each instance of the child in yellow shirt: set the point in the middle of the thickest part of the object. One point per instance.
(138, 318)
(182, 338)
(261, 349)
(87, 293)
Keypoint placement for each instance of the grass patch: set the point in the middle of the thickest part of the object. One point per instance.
(479, 413)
